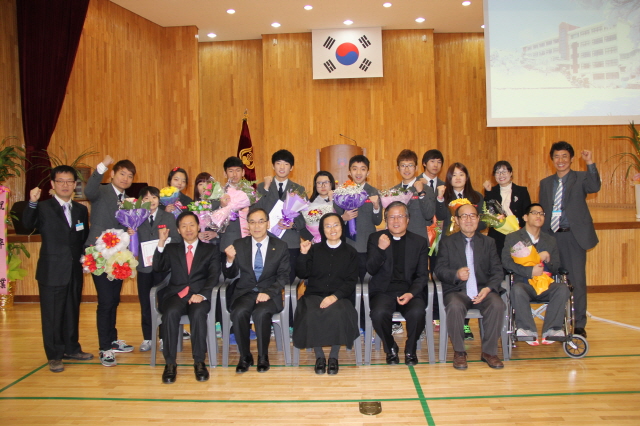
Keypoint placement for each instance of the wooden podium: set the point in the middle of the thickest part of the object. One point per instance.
(335, 160)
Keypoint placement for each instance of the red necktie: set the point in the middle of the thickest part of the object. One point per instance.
(185, 290)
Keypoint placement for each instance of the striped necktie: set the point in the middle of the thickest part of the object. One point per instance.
(557, 206)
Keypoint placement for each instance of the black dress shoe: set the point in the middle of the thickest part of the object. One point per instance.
(581, 331)
(410, 359)
(333, 366)
(202, 374)
(321, 366)
(392, 357)
(169, 374)
(244, 364)
(263, 364)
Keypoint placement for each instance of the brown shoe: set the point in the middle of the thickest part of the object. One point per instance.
(492, 360)
(56, 366)
(460, 360)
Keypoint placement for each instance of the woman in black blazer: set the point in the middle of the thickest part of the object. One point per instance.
(513, 198)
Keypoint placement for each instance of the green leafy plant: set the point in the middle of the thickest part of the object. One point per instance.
(57, 161)
(14, 271)
(11, 158)
(630, 160)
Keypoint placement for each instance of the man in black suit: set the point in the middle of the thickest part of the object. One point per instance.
(262, 260)
(398, 262)
(195, 269)
(64, 226)
(471, 273)
(105, 201)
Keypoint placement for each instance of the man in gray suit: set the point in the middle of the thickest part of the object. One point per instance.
(564, 195)
(470, 270)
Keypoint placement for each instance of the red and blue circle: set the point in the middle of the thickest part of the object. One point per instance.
(347, 53)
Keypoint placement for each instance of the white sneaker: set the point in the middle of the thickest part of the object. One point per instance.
(556, 334)
(186, 335)
(108, 358)
(121, 346)
(396, 328)
(521, 332)
(145, 346)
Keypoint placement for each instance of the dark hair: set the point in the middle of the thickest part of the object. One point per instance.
(561, 146)
(359, 159)
(432, 154)
(63, 169)
(125, 164)
(202, 177)
(177, 170)
(232, 162)
(323, 237)
(472, 205)
(315, 194)
(149, 190)
(282, 155)
(501, 164)
(396, 204)
(257, 209)
(527, 210)
(469, 193)
(407, 155)
(184, 214)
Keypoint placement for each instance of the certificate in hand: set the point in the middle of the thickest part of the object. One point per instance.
(276, 213)
(148, 248)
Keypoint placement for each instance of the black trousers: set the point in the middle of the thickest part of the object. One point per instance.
(173, 307)
(242, 309)
(108, 301)
(146, 281)
(60, 315)
(574, 259)
(383, 305)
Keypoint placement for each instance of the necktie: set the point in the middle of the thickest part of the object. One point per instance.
(459, 195)
(257, 264)
(472, 286)
(557, 205)
(185, 290)
(404, 186)
(280, 189)
(67, 212)
(431, 184)
(119, 198)
(151, 221)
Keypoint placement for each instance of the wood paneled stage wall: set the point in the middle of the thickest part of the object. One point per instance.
(158, 97)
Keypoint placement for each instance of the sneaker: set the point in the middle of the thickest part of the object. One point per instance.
(553, 335)
(396, 328)
(121, 346)
(145, 346)
(436, 325)
(161, 346)
(521, 332)
(468, 335)
(186, 335)
(218, 330)
(108, 358)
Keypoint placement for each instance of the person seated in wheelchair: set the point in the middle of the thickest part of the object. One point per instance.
(523, 292)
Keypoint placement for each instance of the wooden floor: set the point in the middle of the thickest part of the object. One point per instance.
(541, 385)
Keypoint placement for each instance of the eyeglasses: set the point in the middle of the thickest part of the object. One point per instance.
(502, 172)
(536, 213)
(335, 225)
(65, 182)
(468, 216)
(407, 166)
(325, 183)
(257, 222)
(397, 217)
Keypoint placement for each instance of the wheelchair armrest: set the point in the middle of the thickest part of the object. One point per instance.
(510, 272)
(153, 294)
(563, 271)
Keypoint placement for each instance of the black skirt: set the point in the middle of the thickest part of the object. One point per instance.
(334, 325)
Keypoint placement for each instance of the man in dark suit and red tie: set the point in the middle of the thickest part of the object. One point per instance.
(262, 260)
(195, 269)
(64, 226)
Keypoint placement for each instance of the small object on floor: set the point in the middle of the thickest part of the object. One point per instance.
(121, 346)
(263, 364)
(410, 359)
(521, 332)
(396, 328)
(169, 374)
(145, 346)
(161, 346)
(552, 336)
(581, 331)
(392, 357)
(56, 366)
(321, 366)
(468, 335)
(186, 335)
(79, 356)
(460, 360)
(108, 358)
(436, 325)
(492, 360)
(218, 330)
(232, 339)
(201, 372)
(333, 367)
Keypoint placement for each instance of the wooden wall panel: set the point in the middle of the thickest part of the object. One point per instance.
(230, 82)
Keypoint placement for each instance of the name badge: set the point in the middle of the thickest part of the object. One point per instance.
(556, 213)
(79, 226)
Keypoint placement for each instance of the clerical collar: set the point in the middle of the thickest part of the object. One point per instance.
(334, 245)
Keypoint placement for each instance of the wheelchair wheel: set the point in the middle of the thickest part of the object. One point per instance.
(576, 347)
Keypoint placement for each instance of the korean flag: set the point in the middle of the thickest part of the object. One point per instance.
(347, 53)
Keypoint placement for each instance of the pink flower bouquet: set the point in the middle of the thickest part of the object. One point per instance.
(241, 196)
(394, 194)
(293, 204)
(312, 220)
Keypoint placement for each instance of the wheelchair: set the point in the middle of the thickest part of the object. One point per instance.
(574, 345)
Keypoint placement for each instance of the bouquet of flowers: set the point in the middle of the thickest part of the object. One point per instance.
(312, 219)
(213, 190)
(294, 202)
(350, 196)
(202, 209)
(110, 255)
(527, 255)
(434, 232)
(240, 196)
(388, 196)
(169, 195)
(453, 207)
(495, 218)
(132, 214)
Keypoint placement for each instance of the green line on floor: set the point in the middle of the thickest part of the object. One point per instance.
(423, 402)
(23, 377)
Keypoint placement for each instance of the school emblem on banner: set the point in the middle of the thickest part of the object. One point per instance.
(347, 53)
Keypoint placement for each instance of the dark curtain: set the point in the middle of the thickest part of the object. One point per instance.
(48, 37)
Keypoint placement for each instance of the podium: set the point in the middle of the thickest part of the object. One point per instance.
(335, 160)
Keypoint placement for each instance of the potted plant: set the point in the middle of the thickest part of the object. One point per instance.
(82, 169)
(14, 271)
(631, 160)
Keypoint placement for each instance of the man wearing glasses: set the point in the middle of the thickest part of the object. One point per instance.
(523, 294)
(470, 271)
(397, 259)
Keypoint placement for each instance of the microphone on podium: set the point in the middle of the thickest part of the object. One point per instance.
(347, 137)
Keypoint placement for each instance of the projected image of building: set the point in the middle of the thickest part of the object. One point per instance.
(596, 55)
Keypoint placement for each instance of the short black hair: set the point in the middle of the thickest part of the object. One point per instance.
(407, 155)
(232, 162)
(472, 205)
(561, 146)
(396, 204)
(125, 164)
(177, 170)
(257, 209)
(432, 154)
(527, 210)
(500, 164)
(63, 169)
(184, 214)
(149, 190)
(282, 155)
(359, 159)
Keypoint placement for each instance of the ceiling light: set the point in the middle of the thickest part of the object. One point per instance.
(482, 26)
(308, 7)
(420, 20)
(348, 22)
(211, 35)
(466, 3)
(387, 4)
(231, 11)
(275, 25)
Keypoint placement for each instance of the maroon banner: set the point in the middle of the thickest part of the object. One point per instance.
(245, 152)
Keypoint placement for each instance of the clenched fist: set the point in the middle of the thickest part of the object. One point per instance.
(107, 161)
(267, 182)
(384, 242)
(305, 246)
(231, 253)
(34, 195)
